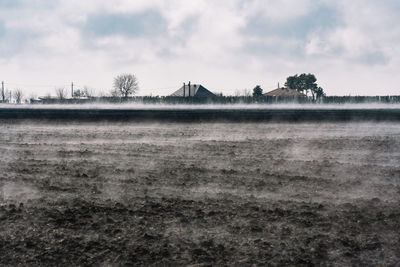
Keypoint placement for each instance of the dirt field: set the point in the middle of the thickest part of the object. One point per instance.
(199, 194)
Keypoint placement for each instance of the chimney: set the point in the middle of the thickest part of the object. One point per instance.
(184, 89)
(189, 88)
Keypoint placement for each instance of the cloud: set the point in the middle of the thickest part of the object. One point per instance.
(2, 29)
(318, 19)
(366, 36)
(13, 41)
(22, 4)
(143, 24)
(349, 44)
(227, 44)
(9, 3)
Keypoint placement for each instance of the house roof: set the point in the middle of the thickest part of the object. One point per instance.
(283, 92)
(193, 90)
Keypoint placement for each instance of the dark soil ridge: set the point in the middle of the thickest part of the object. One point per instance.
(156, 231)
(203, 115)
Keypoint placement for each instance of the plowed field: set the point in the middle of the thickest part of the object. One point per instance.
(199, 193)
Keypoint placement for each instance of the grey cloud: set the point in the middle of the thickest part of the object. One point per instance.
(376, 57)
(268, 50)
(290, 36)
(10, 3)
(144, 24)
(2, 30)
(148, 24)
(189, 25)
(13, 41)
(14, 4)
(320, 18)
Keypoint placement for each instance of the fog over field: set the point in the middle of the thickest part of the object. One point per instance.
(187, 193)
(202, 106)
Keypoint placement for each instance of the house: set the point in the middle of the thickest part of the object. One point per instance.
(193, 90)
(284, 92)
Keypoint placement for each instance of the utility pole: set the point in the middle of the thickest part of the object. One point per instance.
(72, 89)
(2, 91)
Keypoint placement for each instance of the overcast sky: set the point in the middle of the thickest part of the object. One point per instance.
(226, 45)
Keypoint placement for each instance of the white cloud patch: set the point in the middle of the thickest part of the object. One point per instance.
(226, 45)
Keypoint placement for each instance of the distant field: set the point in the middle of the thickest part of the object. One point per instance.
(206, 113)
(141, 193)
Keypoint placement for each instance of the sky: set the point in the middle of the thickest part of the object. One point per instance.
(225, 45)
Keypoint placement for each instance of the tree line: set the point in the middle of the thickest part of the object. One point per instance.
(9, 96)
(125, 86)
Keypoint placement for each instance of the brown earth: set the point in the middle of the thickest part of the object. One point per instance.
(199, 194)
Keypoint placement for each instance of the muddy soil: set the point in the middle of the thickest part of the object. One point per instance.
(199, 194)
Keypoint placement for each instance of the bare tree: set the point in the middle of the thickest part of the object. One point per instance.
(126, 84)
(101, 93)
(85, 92)
(61, 93)
(246, 92)
(237, 93)
(88, 92)
(7, 96)
(115, 92)
(18, 95)
(78, 93)
(3, 95)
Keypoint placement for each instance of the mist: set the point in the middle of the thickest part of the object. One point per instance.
(203, 106)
